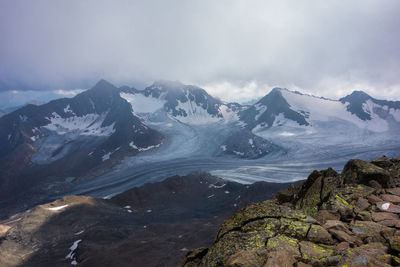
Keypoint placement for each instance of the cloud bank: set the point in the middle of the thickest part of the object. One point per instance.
(236, 49)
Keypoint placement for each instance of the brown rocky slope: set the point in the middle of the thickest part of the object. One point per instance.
(332, 219)
(152, 225)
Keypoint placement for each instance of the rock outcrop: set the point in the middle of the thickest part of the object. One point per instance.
(332, 219)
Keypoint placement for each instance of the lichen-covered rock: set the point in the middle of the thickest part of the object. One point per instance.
(361, 172)
(246, 258)
(373, 254)
(314, 253)
(355, 226)
(287, 195)
(316, 189)
(369, 231)
(318, 234)
(282, 242)
(193, 258)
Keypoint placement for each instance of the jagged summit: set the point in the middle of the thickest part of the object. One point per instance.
(268, 108)
(358, 101)
(168, 84)
(103, 85)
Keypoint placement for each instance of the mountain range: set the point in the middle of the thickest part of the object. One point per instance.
(69, 141)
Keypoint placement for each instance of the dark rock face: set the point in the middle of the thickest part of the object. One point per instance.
(68, 137)
(174, 91)
(330, 220)
(154, 225)
(266, 109)
(245, 144)
(358, 98)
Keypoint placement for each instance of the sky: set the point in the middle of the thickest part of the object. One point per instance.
(236, 50)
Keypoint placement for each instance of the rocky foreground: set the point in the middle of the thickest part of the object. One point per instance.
(153, 225)
(332, 219)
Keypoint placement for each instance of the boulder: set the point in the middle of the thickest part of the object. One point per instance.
(280, 258)
(388, 207)
(362, 204)
(361, 172)
(282, 242)
(344, 237)
(246, 258)
(193, 258)
(337, 225)
(374, 199)
(342, 246)
(3, 230)
(390, 198)
(318, 234)
(373, 254)
(325, 215)
(369, 231)
(381, 216)
(315, 253)
(394, 191)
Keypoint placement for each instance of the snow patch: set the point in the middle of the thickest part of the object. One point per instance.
(23, 118)
(210, 196)
(238, 153)
(67, 109)
(261, 109)
(196, 115)
(284, 133)
(58, 208)
(71, 254)
(89, 124)
(141, 149)
(80, 232)
(143, 104)
(223, 147)
(106, 156)
(216, 186)
(395, 113)
(228, 114)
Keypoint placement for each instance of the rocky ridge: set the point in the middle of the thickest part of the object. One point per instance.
(331, 219)
(152, 225)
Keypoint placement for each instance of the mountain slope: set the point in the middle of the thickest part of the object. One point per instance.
(267, 109)
(364, 106)
(185, 103)
(151, 225)
(284, 107)
(70, 136)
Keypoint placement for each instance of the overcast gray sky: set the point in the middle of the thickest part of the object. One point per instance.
(234, 49)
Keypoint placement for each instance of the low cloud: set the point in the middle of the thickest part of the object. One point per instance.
(232, 47)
